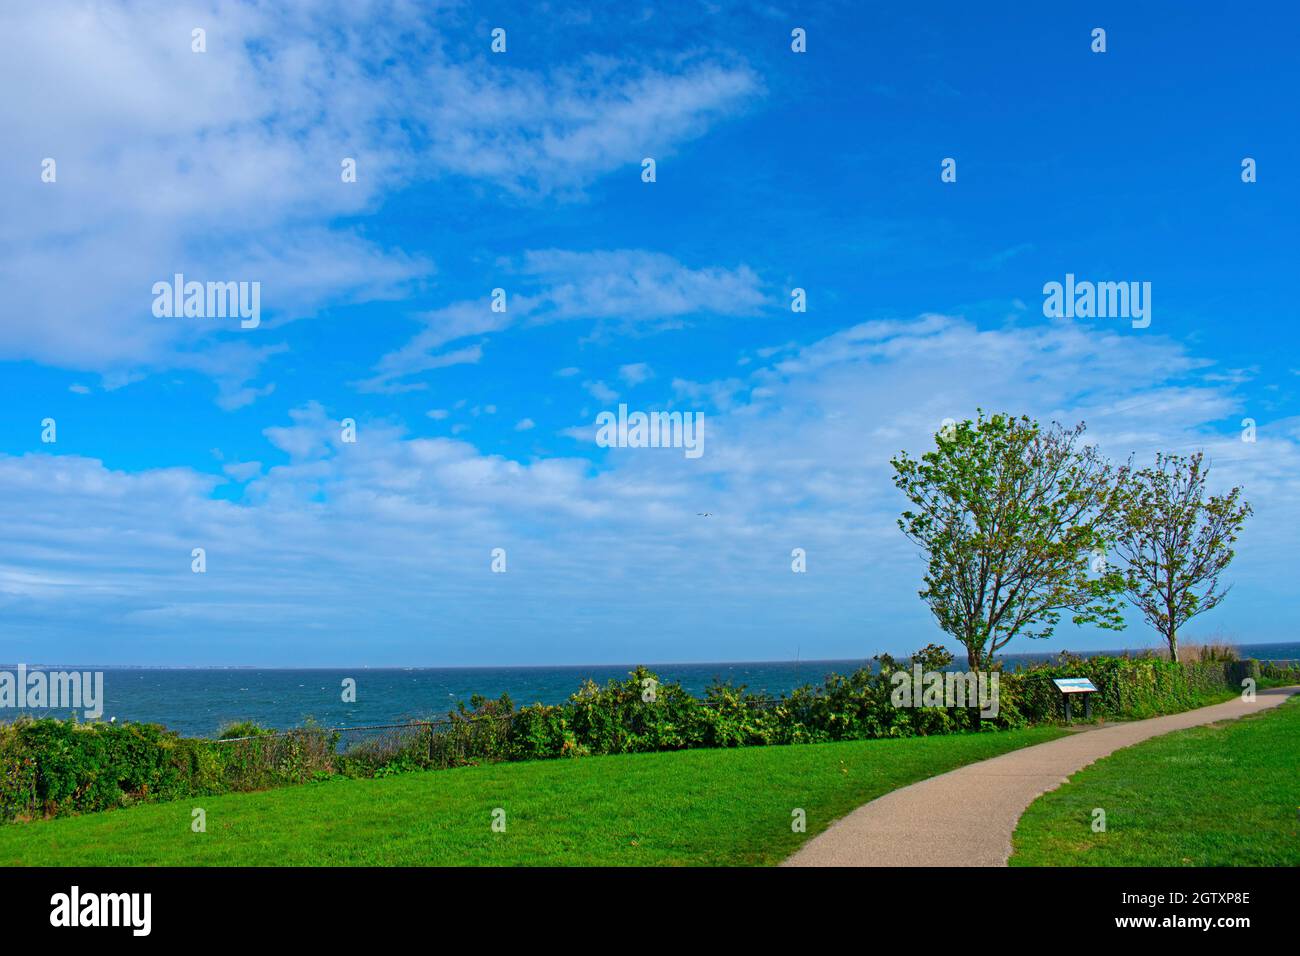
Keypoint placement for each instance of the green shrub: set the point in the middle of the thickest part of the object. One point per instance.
(1278, 673)
(540, 731)
(270, 760)
(51, 767)
(1127, 687)
(242, 728)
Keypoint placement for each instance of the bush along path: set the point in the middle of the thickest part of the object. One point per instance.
(58, 768)
(967, 817)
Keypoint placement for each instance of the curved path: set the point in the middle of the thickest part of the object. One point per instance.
(965, 817)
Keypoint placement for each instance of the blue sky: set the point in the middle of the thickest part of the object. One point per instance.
(522, 171)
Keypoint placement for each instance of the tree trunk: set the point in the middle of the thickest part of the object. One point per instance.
(974, 658)
(1173, 646)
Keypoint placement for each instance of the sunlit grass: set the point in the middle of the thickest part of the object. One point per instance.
(719, 807)
(1221, 795)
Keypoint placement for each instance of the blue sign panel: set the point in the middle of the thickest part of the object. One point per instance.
(1074, 685)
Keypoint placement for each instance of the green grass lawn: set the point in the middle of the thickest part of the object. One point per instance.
(1221, 795)
(720, 807)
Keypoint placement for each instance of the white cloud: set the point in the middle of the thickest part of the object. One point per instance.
(535, 132)
(410, 362)
(225, 165)
(635, 373)
(626, 287)
(600, 391)
(243, 470)
(634, 285)
(393, 532)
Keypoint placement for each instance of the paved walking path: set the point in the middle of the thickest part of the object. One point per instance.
(965, 817)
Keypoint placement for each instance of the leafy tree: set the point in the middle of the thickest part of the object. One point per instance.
(1176, 541)
(932, 657)
(1010, 516)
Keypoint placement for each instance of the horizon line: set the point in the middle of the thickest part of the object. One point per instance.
(570, 666)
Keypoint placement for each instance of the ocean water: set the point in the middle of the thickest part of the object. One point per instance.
(200, 701)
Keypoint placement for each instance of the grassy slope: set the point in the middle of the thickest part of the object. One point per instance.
(1222, 795)
(721, 807)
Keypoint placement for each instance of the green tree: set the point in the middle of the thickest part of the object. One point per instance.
(1011, 516)
(1176, 541)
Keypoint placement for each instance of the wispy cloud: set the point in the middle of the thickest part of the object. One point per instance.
(798, 456)
(227, 164)
(623, 288)
(635, 373)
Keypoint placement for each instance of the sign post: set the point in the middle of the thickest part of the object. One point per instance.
(1076, 685)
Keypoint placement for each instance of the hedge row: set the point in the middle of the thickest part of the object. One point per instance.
(1129, 688)
(55, 767)
(50, 767)
(1282, 672)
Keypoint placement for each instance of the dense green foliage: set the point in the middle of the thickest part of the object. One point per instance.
(53, 768)
(1016, 521)
(1154, 797)
(1176, 540)
(729, 807)
(1127, 687)
(1010, 516)
(56, 767)
(1278, 673)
